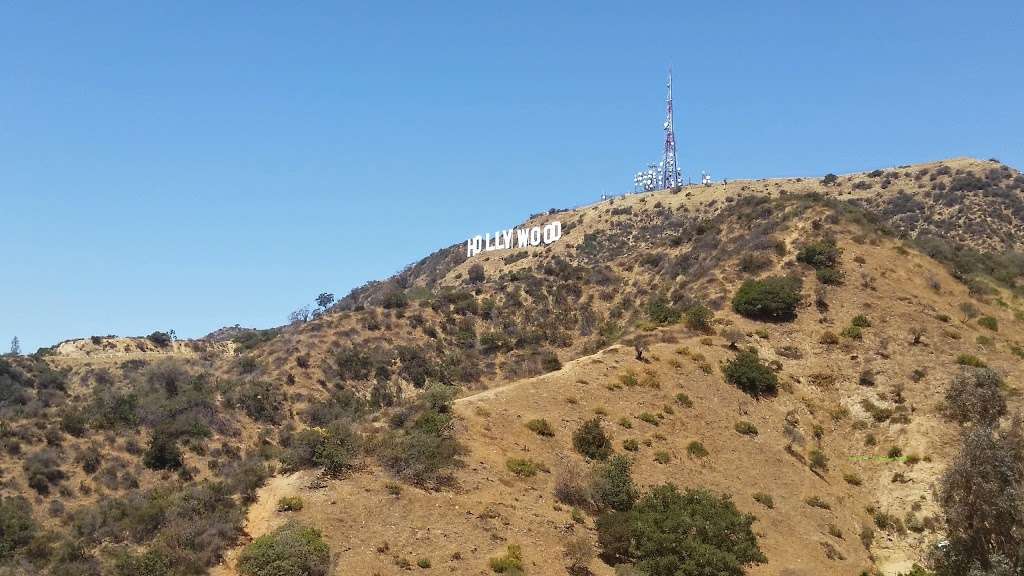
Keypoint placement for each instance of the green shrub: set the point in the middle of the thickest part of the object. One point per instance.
(511, 562)
(425, 562)
(828, 338)
(853, 333)
(74, 421)
(752, 262)
(43, 469)
(684, 400)
(334, 448)
(661, 312)
(820, 255)
(764, 499)
(699, 318)
(747, 372)
(614, 536)
(152, 562)
(394, 299)
(161, 339)
(829, 276)
(696, 449)
(860, 321)
(262, 401)
(612, 484)
(889, 522)
(419, 456)
(648, 417)
(662, 457)
(251, 339)
(852, 479)
(818, 460)
(163, 453)
(112, 409)
(970, 360)
(524, 467)
(691, 533)
(591, 440)
(289, 504)
(340, 405)
(989, 322)
(746, 428)
(773, 298)
(476, 273)
(630, 444)
(879, 413)
(291, 550)
(541, 427)
(339, 448)
(90, 458)
(17, 527)
(423, 449)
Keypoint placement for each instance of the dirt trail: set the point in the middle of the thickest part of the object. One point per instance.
(571, 368)
(262, 516)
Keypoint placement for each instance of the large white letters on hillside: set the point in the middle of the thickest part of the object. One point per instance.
(514, 238)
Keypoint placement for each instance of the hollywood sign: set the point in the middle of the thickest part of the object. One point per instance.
(514, 238)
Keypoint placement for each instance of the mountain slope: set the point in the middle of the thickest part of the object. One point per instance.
(491, 507)
(549, 332)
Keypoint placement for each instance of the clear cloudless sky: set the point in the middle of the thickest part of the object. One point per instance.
(189, 165)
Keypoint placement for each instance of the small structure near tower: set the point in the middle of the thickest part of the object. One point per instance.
(665, 174)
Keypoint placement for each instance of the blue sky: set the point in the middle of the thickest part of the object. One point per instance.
(190, 165)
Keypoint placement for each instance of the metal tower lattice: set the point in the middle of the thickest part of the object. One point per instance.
(665, 174)
(670, 174)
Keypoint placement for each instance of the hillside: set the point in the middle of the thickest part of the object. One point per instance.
(120, 446)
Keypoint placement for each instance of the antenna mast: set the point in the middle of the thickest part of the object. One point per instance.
(664, 174)
(670, 175)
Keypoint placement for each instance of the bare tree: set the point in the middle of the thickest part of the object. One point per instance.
(981, 496)
(970, 310)
(299, 315)
(639, 347)
(578, 553)
(975, 395)
(734, 336)
(917, 332)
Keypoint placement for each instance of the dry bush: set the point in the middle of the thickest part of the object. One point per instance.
(572, 485)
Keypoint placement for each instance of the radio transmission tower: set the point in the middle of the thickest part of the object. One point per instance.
(664, 174)
(670, 175)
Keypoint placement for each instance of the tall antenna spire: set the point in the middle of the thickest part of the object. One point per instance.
(666, 173)
(670, 175)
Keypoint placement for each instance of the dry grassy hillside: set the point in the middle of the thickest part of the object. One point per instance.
(490, 506)
(118, 447)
